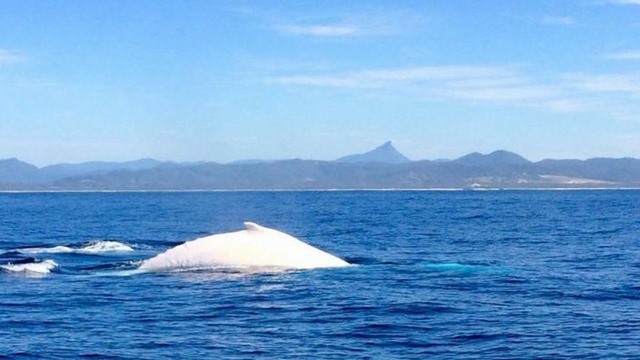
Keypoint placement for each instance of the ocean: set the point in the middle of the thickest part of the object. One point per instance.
(437, 275)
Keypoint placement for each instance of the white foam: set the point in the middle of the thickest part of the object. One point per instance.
(104, 246)
(43, 250)
(119, 273)
(42, 267)
(95, 247)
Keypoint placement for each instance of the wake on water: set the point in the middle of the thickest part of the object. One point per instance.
(32, 265)
(36, 267)
(94, 247)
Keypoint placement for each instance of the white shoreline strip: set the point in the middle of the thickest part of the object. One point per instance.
(316, 190)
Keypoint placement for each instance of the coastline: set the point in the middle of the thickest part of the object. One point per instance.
(71, 191)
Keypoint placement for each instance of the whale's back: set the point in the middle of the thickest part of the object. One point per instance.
(257, 246)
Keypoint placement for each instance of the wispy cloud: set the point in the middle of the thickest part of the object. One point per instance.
(622, 83)
(626, 2)
(390, 77)
(559, 20)
(367, 22)
(624, 55)
(523, 93)
(567, 105)
(478, 84)
(328, 30)
(505, 85)
(11, 57)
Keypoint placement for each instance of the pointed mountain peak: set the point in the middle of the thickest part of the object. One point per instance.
(385, 153)
(16, 163)
(17, 171)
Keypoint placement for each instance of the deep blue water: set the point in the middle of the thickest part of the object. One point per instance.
(440, 275)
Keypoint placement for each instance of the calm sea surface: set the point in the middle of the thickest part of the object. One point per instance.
(439, 275)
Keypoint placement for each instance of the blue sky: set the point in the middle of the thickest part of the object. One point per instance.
(227, 80)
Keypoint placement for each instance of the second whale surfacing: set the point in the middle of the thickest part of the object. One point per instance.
(254, 247)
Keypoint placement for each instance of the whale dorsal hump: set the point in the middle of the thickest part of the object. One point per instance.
(253, 226)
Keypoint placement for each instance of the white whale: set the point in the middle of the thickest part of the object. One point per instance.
(257, 246)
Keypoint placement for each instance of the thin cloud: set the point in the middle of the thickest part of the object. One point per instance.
(370, 22)
(319, 30)
(475, 84)
(495, 85)
(11, 57)
(624, 55)
(320, 81)
(505, 94)
(626, 2)
(390, 77)
(566, 105)
(559, 20)
(434, 73)
(622, 83)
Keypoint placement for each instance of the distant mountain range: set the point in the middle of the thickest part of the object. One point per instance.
(16, 171)
(381, 168)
